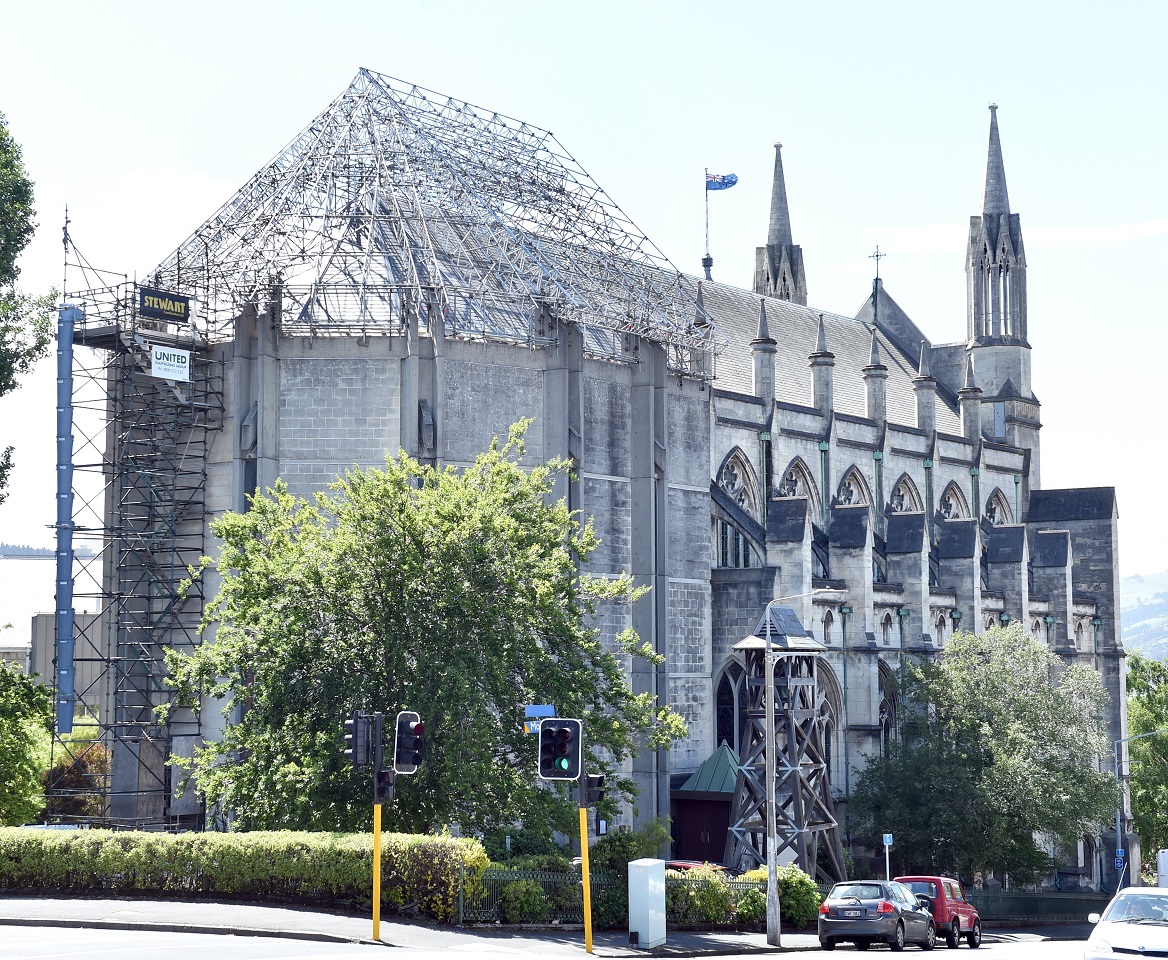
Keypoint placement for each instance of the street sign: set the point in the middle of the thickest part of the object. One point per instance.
(1119, 852)
(533, 711)
(1119, 863)
(888, 839)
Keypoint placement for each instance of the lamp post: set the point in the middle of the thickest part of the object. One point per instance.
(1119, 810)
(774, 933)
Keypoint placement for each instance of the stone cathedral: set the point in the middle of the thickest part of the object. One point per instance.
(413, 272)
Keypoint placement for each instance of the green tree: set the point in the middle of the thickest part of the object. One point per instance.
(1000, 755)
(456, 594)
(1147, 712)
(26, 709)
(25, 321)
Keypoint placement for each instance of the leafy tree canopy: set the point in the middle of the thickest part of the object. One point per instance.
(25, 717)
(454, 594)
(998, 761)
(1147, 712)
(25, 321)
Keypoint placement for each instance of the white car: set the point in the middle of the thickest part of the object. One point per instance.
(1135, 922)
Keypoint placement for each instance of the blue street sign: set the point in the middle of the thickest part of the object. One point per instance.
(1119, 852)
(1119, 863)
(533, 711)
(888, 839)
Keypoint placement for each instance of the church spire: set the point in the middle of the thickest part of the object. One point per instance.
(779, 233)
(778, 267)
(997, 201)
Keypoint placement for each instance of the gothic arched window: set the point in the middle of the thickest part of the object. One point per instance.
(953, 503)
(828, 622)
(731, 711)
(737, 479)
(886, 629)
(905, 497)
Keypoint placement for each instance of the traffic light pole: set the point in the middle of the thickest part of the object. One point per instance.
(582, 783)
(378, 752)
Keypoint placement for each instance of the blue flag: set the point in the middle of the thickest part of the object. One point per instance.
(718, 181)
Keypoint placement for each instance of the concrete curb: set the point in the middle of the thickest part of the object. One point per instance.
(211, 929)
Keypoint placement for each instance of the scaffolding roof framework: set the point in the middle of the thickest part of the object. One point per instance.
(397, 199)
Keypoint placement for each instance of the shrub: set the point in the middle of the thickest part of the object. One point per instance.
(420, 874)
(752, 906)
(799, 897)
(522, 901)
(701, 895)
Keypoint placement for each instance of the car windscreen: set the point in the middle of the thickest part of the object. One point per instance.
(1136, 907)
(861, 891)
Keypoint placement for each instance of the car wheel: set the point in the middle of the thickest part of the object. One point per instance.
(973, 938)
(897, 943)
(930, 940)
(953, 934)
(826, 944)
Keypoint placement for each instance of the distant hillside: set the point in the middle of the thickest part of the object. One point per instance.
(1145, 614)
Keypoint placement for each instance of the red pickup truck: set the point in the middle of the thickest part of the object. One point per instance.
(954, 915)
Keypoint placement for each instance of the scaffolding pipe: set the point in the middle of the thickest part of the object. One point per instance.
(66, 689)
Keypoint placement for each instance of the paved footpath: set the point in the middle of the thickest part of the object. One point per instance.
(239, 919)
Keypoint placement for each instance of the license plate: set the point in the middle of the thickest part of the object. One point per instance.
(851, 913)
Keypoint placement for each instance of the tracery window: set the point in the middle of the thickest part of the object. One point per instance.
(736, 478)
(905, 498)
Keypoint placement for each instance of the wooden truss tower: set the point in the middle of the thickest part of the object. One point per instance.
(804, 814)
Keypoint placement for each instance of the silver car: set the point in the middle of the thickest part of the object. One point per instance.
(864, 912)
(1135, 922)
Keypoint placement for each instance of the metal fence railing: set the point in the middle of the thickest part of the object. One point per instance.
(1038, 906)
(542, 896)
(549, 897)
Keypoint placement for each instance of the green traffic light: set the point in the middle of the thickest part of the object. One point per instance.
(562, 763)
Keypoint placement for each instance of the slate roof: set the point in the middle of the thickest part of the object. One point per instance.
(848, 526)
(735, 313)
(906, 533)
(1050, 548)
(957, 539)
(1082, 503)
(786, 519)
(1005, 545)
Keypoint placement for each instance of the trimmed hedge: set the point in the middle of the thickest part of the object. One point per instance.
(799, 897)
(419, 874)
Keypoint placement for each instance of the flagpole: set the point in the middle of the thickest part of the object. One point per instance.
(706, 190)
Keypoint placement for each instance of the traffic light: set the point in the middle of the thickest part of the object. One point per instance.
(560, 749)
(594, 793)
(383, 786)
(357, 740)
(408, 745)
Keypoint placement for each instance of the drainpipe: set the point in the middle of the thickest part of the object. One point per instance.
(1017, 501)
(929, 508)
(845, 612)
(824, 447)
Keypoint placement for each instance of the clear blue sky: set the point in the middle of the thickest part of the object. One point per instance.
(145, 119)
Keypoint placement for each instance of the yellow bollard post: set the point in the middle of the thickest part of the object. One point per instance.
(377, 871)
(587, 884)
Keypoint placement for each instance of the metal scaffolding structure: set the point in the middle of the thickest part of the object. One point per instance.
(139, 468)
(399, 200)
(806, 828)
(396, 209)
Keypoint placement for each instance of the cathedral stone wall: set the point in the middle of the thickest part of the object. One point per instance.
(335, 412)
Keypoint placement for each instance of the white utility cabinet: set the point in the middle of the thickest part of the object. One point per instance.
(646, 903)
(1162, 868)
